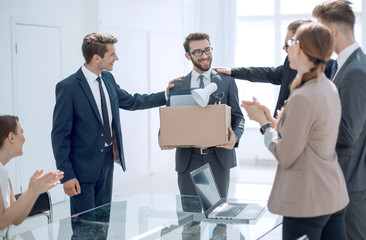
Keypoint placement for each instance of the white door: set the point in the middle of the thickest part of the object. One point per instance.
(37, 70)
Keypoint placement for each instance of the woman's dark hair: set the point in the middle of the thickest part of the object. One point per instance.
(8, 124)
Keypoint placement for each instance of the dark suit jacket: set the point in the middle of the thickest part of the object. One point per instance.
(351, 144)
(227, 86)
(78, 131)
(282, 75)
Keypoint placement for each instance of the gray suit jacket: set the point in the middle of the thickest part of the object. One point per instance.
(351, 143)
(226, 85)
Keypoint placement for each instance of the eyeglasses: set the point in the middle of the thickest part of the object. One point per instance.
(289, 41)
(198, 53)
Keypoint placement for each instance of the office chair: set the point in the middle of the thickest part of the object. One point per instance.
(42, 206)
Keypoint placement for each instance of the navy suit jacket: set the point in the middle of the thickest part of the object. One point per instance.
(351, 144)
(226, 85)
(78, 132)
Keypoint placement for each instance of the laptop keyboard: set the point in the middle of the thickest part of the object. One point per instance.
(231, 210)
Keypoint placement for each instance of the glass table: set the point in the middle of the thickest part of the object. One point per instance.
(152, 216)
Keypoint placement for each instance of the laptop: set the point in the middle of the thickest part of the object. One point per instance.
(182, 99)
(216, 207)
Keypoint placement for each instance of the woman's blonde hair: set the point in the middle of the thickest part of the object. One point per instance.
(316, 41)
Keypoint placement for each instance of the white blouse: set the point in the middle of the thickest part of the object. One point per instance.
(5, 189)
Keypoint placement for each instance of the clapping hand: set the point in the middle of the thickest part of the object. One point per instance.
(254, 111)
(42, 183)
(258, 112)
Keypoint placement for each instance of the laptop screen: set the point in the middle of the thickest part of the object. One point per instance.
(206, 186)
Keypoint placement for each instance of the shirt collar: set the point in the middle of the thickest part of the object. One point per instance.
(3, 170)
(89, 75)
(206, 74)
(344, 55)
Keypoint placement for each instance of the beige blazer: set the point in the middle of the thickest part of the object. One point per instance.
(309, 181)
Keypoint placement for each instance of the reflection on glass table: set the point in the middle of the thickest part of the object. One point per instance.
(152, 216)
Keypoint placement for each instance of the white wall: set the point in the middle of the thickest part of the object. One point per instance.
(76, 19)
(75, 22)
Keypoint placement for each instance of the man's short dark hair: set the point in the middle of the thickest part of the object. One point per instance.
(292, 27)
(337, 12)
(96, 43)
(193, 37)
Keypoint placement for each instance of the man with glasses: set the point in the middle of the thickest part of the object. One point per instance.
(282, 75)
(221, 158)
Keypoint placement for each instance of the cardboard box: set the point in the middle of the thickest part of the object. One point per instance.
(194, 126)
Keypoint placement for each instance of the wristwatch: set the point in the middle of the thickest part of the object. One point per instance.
(264, 127)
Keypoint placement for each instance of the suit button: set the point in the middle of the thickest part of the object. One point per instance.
(102, 135)
(102, 150)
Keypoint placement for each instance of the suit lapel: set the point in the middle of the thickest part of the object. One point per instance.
(215, 78)
(88, 93)
(346, 63)
(108, 85)
(186, 85)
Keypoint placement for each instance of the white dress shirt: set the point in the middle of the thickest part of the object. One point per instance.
(195, 81)
(91, 78)
(5, 190)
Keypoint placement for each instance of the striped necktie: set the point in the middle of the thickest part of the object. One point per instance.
(202, 84)
(334, 70)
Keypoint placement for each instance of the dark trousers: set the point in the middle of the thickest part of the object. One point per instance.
(323, 227)
(97, 193)
(221, 175)
(356, 216)
(91, 224)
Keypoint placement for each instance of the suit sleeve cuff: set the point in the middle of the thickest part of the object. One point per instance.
(166, 96)
(235, 72)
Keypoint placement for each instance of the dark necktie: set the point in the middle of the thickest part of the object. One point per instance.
(202, 84)
(334, 70)
(107, 128)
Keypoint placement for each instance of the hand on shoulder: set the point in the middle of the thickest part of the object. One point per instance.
(223, 70)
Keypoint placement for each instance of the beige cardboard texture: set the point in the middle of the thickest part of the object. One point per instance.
(194, 126)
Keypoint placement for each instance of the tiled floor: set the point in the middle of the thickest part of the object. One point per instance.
(248, 182)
